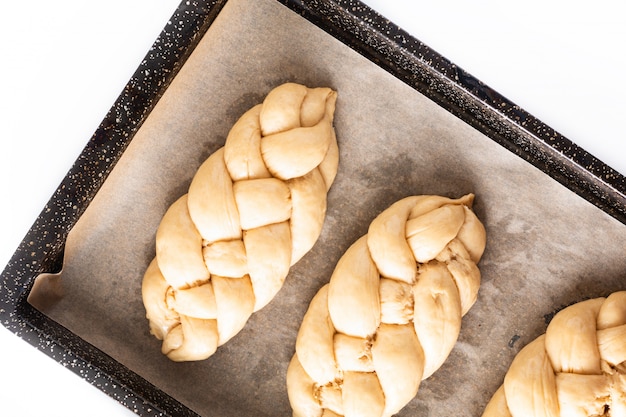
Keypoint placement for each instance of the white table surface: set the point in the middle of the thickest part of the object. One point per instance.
(65, 62)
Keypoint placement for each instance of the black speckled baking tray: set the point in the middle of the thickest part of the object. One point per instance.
(350, 22)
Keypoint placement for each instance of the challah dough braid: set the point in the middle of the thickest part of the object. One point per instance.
(392, 310)
(253, 209)
(575, 369)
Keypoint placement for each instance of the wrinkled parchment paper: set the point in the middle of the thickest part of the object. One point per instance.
(546, 248)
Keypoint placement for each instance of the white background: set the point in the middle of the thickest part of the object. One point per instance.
(63, 64)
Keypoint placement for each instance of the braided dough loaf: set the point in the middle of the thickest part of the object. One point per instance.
(575, 369)
(391, 312)
(253, 209)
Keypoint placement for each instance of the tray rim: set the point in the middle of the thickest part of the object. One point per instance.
(357, 26)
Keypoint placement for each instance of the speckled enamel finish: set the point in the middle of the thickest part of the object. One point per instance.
(358, 27)
(469, 99)
(42, 248)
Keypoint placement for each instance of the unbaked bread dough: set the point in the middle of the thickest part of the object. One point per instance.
(576, 369)
(253, 209)
(392, 310)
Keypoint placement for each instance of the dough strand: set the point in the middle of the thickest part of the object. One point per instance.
(392, 310)
(253, 209)
(575, 369)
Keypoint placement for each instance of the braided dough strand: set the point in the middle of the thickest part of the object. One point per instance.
(392, 310)
(575, 369)
(252, 210)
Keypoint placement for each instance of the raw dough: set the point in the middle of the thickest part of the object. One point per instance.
(392, 310)
(253, 209)
(575, 369)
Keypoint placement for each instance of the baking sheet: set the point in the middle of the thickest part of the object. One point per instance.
(547, 247)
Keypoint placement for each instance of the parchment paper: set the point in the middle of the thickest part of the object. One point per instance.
(546, 248)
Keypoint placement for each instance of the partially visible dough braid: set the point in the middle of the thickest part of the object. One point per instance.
(253, 209)
(392, 310)
(576, 369)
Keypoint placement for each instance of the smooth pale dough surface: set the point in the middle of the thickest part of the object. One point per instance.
(575, 369)
(391, 313)
(224, 249)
